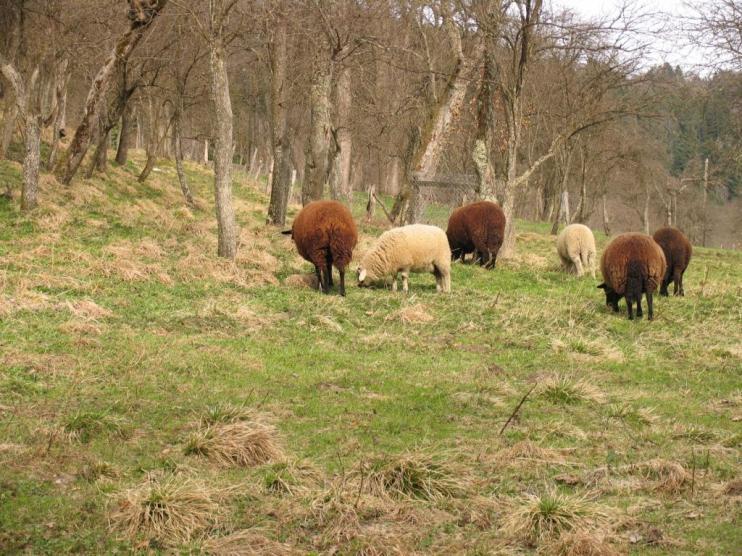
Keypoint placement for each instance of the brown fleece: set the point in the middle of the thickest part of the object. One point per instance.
(634, 260)
(678, 251)
(478, 227)
(324, 232)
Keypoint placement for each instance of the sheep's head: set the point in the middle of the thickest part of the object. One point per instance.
(363, 279)
(611, 297)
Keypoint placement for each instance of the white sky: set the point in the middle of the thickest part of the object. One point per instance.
(665, 48)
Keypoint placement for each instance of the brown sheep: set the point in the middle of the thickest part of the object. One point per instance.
(478, 227)
(325, 235)
(678, 251)
(632, 264)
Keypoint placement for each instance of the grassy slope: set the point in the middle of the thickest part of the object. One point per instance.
(113, 386)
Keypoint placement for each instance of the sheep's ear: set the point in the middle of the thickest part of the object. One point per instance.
(286, 232)
(602, 286)
(361, 274)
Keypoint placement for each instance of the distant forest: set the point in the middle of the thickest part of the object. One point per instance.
(553, 115)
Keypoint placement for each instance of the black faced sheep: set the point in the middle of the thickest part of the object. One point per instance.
(576, 248)
(632, 264)
(478, 227)
(416, 248)
(677, 251)
(325, 235)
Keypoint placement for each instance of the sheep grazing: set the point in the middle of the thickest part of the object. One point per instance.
(478, 227)
(325, 235)
(678, 251)
(632, 264)
(413, 248)
(576, 248)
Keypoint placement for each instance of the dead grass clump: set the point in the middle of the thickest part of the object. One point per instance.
(419, 474)
(24, 300)
(412, 314)
(172, 510)
(84, 425)
(666, 476)
(87, 309)
(127, 261)
(538, 519)
(561, 389)
(247, 542)
(657, 474)
(301, 281)
(289, 478)
(527, 450)
(733, 488)
(579, 543)
(240, 443)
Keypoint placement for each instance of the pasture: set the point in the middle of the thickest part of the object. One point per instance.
(155, 398)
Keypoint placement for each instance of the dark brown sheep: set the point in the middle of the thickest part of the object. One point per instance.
(325, 235)
(478, 227)
(632, 264)
(678, 251)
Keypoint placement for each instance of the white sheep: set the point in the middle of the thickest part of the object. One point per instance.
(416, 248)
(576, 248)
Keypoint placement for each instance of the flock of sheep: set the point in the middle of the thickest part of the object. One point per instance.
(633, 264)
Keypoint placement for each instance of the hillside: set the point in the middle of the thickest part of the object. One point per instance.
(155, 397)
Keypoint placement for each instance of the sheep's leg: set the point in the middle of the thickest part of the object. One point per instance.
(342, 281)
(405, 276)
(630, 306)
(639, 313)
(677, 282)
(578, 265)
(682, 290)
(665, 283)
(318, 273)
(394, 282)
(329, 273)
(446, 281)
(490, 261)
(650, 309)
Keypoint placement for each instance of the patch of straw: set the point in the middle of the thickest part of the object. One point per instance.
(236, 444)
(174, 510)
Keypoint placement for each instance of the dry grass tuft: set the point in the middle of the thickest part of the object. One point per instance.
(240, 443)
(658, 474)
(527, 450)
(173, 510)
(247, 542)
(562, 389)
(579, 543)
(419, 474)
(412, 314)
(733, 488)
(87, 309)
(301, 281)
(290, 478)
(538, 519)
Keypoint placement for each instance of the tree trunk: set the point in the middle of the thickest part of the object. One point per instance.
(280, 183)
(60, 122)
(342, 189)
(10, 121)
(182, 178)
(31, 163)
(122, 152)
(140, 19)
(426, 157)
(705, 201)
(645, 218)
(319, 142)
(606, 218)
(223, 146)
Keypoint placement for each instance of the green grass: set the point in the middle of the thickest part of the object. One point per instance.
(120, 329)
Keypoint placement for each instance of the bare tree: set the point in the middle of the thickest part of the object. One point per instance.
(141, 14)
(281, 177)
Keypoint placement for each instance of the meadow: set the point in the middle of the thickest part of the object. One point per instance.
(156, 398)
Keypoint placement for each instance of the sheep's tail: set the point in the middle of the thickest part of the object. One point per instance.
(635, 280)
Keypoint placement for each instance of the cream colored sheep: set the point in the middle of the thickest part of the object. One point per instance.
(576, 248)
(413, 248)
